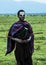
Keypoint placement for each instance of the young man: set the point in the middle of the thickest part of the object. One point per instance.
(21, 36)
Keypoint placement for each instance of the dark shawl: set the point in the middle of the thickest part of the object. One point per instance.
(15, 31)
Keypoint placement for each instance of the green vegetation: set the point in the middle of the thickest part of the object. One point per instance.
(38, 24)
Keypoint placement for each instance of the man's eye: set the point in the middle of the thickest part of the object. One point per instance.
(22, 15)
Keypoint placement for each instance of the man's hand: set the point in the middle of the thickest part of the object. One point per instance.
(27, 40)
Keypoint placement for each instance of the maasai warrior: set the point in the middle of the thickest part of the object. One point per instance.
(24, 41)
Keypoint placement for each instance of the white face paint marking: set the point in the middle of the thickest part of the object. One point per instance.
(22, 13)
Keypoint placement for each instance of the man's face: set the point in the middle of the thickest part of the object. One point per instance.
(22, 16)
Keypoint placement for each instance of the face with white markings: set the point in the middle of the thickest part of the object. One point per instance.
(22, 16)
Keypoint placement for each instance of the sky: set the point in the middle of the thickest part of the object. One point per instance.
(30, 6)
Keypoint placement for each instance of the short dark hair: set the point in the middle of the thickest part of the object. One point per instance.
(20, 11)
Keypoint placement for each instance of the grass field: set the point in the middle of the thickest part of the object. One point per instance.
(38, 24)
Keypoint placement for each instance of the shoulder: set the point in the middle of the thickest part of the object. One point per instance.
(14, 24)
(28, 23)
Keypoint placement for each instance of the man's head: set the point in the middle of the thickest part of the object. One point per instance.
(21, 15)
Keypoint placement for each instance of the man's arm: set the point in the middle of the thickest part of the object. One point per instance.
(30, 32)
(32, 39)
(20, 40)
(27, 40)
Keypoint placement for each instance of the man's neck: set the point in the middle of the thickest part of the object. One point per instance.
(21, 20)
